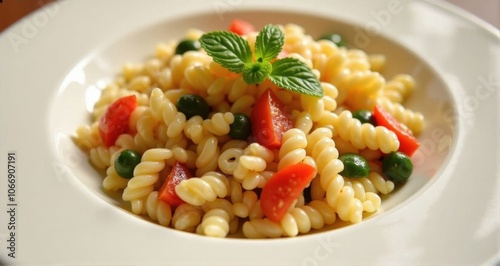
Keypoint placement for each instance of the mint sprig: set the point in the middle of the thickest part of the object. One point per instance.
(233, 52)
(269, 43)
(228, 49)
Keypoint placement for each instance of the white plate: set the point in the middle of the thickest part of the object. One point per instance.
(52, 61)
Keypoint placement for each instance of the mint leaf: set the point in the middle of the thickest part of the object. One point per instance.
(227, 48)
(256, 72)
(269, 43)
(292, 74)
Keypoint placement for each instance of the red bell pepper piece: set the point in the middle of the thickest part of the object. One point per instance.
(241, 27)
(269, 120)
(283, 188)
(115, 121)
(408, 143)
(167, 193)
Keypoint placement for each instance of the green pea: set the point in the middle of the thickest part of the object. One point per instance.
(364, 116)
(193, 105)
(354, 165)
(333, 37)
(397, 167)
(126, 162)
(187, 45)
(241, 127)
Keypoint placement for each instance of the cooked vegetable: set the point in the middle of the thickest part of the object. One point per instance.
(187, 45)
(115, 120)
(364, 116)
(269, 120)
(241, 27)
(283, 188)
(241, 128)
(407, 142)
(126, 162)
(333, 37)
(192, 105)
(354, 165)
(397, 167)
(167, 193)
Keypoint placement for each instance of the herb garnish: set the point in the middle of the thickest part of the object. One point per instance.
(233, 52)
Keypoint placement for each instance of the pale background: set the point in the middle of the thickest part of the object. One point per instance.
(488, 10)
(13, 10)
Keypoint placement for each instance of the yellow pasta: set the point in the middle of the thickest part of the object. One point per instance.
(221, 194)
(88, 136)
(365, 135)
(187, 217)
(113, 181)
(262, 228)
(100, 156)
(158, 210)
(145, 177)
(304, 219)
(214, 223)
(292, 149)
(198, 190)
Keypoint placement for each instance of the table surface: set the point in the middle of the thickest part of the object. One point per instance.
(13, 10)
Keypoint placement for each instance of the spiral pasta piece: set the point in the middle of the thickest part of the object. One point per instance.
(329, 61)
(377, 62)
(219, 123)
(243, 105)
(262, 228)
(301, 220)
(413, 120)
(179, 64)
(146, 127)
(152, 68)
(215, 223)
(348, 207)
(322, 149)
(371, 201)
(187, 217)
(140, 83)
(398, 88)
(365, 135)
(100, 156)
(303, 121)
(357, 60)
(199, 77)
(219, 219)
(249, 206)
(380, 184)
(131, 70)
(162, 109)
(208, 152)
(237, 89)
(317, 191)
(158, 210)
(88, 136)
(250, 170)
(292, 150)
(359, 88)
(228, 160)
(313, 105)
(194, 129)
(113, 181)
(198, 190)
(127, 142)
(146, 174)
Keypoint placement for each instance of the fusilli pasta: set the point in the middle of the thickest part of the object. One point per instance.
(224, 196)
